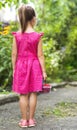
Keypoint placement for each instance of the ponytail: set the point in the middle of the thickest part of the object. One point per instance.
(26, 13)
(22, 18)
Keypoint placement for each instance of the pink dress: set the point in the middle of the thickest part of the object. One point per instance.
(28, 73)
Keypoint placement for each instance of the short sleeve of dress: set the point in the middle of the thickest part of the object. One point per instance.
(40, 35)
(15, 35)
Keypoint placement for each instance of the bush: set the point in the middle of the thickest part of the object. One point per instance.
(5, 58)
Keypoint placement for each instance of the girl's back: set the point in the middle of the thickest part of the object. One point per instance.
(27, 44)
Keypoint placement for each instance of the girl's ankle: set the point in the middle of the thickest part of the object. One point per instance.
(31, 118)
(24, 119)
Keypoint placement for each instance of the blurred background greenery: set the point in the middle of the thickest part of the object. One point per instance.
(58, 20)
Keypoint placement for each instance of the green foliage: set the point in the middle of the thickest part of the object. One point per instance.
(58, 21)
(11, 2)
(5, 59)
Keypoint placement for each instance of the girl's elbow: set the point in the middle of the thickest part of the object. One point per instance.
(14, 55)
(40, 56)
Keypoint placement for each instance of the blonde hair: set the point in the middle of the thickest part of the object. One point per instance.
(26, 13)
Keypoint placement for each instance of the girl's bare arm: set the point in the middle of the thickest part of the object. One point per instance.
(14, 53)
(41, 58)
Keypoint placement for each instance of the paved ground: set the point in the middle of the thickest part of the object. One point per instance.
(10, 114)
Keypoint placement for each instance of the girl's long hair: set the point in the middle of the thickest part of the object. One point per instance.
(26, 13)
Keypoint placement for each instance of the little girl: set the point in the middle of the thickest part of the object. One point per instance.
(28, 65)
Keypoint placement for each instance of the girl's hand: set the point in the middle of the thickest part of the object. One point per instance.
(44, 75)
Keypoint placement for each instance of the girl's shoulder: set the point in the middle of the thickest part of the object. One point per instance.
(16, 33)
(39, 33)
(34, 34)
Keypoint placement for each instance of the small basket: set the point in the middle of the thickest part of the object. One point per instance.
(46, 88)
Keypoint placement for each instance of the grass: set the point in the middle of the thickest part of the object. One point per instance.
(63, 109)
(5, 92)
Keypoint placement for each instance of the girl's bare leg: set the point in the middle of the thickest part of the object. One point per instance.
(24, 103)
(32, 104)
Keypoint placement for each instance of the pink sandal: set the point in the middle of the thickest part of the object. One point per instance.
(31, 123)
(23, 123)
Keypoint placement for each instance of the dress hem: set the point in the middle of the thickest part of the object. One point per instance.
(38, 91)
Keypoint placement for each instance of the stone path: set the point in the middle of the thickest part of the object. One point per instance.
(10, 113)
